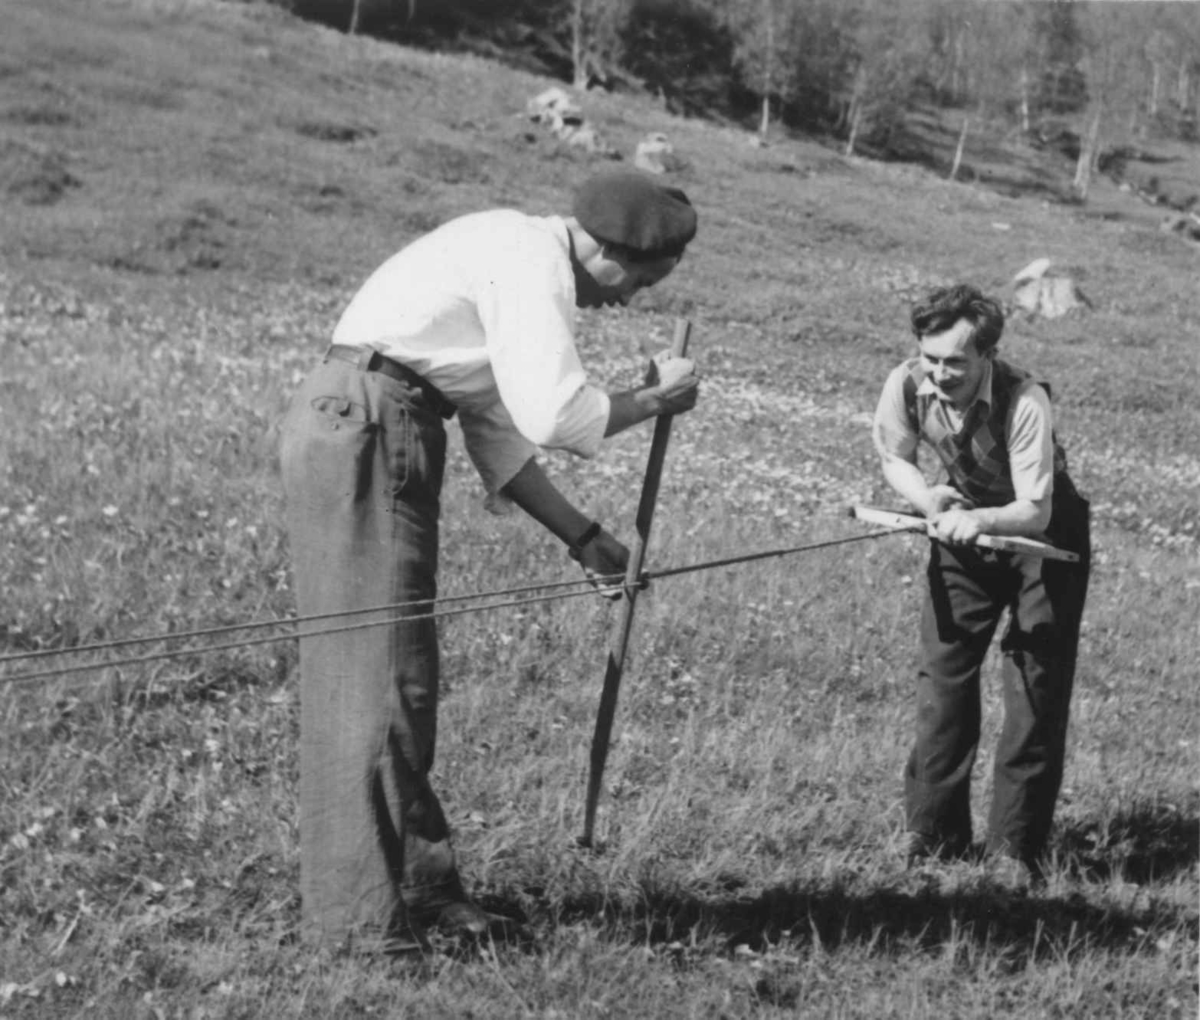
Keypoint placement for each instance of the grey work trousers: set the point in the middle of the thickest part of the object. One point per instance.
(968, 589)
(362, 458)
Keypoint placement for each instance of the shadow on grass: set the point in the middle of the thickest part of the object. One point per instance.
(929, 909)
(1144, 843)
(885, 920)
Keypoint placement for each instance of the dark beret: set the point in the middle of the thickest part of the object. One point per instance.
(632, 210)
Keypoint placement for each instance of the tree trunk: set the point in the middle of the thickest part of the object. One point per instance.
(1088, 152)
(768, 75)
(957, 83)
(355, 17)
(958, 152)
(1155, 82)
(578, 68)
(1024, 101)
(855, 117)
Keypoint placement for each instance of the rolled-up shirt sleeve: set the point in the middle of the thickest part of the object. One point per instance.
(892, 432)
(527, 313)
(1031, 444)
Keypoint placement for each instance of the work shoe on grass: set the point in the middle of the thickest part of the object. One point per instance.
(921, 849)
(1013, 874)
(463, 919)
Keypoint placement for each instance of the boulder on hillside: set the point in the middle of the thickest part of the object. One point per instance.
(555, 110)
(586, 137)
(1186, 225)
(656, 155)
(1038, 292)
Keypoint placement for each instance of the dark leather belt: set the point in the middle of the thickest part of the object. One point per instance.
(372, 361)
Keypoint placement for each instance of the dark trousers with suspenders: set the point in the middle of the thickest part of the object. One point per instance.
(967, 592)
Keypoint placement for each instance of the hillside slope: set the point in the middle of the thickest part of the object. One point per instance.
(208, 150)
(168, 138)
(209, 153)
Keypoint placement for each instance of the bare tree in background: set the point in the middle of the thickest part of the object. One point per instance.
(595, 30)
(888, 50)
(1116, 42)
(356, 12)
(997, 48)
(768, 86)
(764, 36)
(851, 66)
(1182, 24)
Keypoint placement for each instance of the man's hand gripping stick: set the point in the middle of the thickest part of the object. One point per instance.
(1001, 543)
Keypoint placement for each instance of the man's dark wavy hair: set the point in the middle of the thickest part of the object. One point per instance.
(943, 307)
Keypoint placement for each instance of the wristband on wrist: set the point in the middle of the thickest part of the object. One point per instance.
(575, 549)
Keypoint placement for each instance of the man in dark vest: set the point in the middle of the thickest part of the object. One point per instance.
(991, 429)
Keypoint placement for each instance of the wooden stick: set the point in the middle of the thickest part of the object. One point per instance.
(1002, 543)
(633, 572)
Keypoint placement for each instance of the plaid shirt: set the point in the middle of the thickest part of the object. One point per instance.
(975, 456)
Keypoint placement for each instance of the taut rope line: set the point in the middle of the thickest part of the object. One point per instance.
(284, 621)
(607, 584)
(767, 553)
(231, 645)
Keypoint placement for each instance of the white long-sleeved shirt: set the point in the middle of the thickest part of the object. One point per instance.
(483, 307)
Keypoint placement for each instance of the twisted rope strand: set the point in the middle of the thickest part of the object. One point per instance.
(607, 584)
(231, 645)
(766, 553)
(97, 646)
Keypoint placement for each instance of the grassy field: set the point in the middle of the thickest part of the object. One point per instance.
(191, 192)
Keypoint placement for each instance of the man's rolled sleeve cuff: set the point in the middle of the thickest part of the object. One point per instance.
(1035, 490)
(893, 442)
(585, 422)
(891, 431)
(499, 462)
(573, 419)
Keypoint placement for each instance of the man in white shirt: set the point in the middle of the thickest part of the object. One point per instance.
(990, 426)
(476, 319)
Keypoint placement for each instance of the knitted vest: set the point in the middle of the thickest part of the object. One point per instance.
(975, 457)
